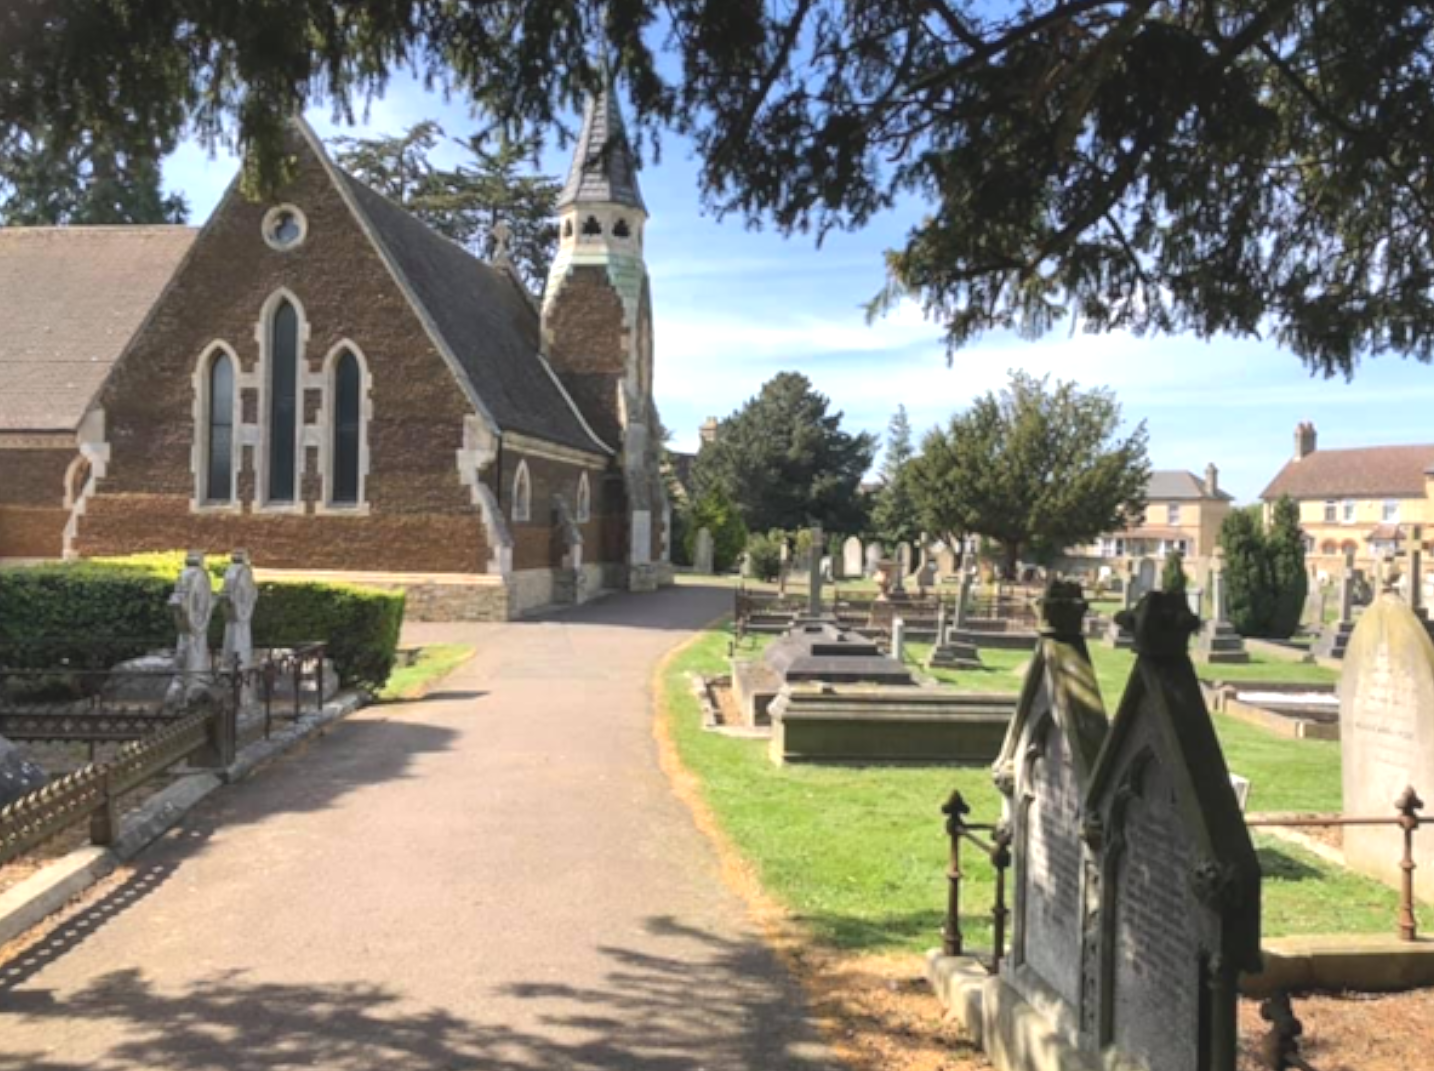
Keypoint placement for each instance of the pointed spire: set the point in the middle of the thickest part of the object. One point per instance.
(603, 168)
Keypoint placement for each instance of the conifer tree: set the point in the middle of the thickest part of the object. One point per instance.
(895, 517)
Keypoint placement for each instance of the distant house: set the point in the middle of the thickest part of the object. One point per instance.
(1362, 501)
(1182, 512)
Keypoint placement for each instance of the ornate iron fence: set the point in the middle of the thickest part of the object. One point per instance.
(93, 792)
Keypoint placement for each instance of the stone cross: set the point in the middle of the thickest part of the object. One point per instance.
(239, 596)
(702, 553)
(191, 605)
(814, 594)
(1127, 595)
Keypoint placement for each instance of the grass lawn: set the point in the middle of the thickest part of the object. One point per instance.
(434, 662)
(859, 854)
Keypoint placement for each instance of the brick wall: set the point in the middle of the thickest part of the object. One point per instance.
(538, 544)
(588, 347)
(421, 516)
(32, 496)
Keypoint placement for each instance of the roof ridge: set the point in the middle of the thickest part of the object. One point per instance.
(91, 228)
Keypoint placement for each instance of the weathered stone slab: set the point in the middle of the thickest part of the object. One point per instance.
(851, 558)
(1387, 735)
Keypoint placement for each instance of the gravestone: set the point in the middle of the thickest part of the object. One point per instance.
(18, 775)
(814, 574)
(1174, 915)
(1415, 597)
(1219, 642)
(239, 596)
(1043, 770)
(1136, 883)
(1116, 634)
(946, 563)
(950, 652)
(926, 577)
(903, 563)
(1144, 578)
(1334, 638)
(702, 553)
(1386, 728)
(191, 606)
(898, 639)
(851, 558)
(875, 555)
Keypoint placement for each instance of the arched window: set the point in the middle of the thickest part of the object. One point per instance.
(568, 229)
(620, 229)
(283, 402)
(1329, 547)
(591, 226)
(585, 500)
(347, 429)
(522, 494)
(219, 435)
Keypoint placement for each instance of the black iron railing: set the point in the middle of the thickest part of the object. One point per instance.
(998, 851)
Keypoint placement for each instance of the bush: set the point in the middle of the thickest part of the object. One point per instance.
(121, 608)
(1172, 577)
(717, 513)
(764, 557)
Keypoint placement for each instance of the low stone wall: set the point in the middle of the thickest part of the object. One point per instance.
(431, 596)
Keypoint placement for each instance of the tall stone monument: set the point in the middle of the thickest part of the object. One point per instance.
(191, 605)
(875, 555)
(1219, 642)
(1334, 637)
(1386, 729)
(239, 596)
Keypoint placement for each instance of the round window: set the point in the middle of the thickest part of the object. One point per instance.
(285, 227)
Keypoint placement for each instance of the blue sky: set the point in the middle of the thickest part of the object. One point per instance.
(735, 306)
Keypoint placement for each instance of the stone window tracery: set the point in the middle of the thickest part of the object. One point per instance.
(283, 414)
(621, 230)
(347, 429)
(284, 227)
(591, 227)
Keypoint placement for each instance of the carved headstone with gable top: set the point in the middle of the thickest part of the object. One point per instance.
(1043, 770)
(1386, 716)
(1173, 893)
(239, 597)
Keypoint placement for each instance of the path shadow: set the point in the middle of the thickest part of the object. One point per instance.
(687, 999)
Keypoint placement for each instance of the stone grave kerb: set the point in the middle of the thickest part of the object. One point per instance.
(1043, 769)
(1162, 761)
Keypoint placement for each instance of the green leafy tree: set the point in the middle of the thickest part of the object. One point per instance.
(786, 462)
(1172, 576)
(493, 182)
(1248, 590)
(1252, 166)
(895, 516)
(1289, 579)
(716, 512)
(1034, 465)
(105, 177)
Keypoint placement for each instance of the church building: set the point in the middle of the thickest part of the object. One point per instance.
(327, 383)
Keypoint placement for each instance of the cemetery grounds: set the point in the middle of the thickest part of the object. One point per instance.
(844, 866)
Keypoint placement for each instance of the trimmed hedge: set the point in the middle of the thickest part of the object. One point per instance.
(120, 606)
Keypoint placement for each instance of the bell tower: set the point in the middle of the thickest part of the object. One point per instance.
(597, 323)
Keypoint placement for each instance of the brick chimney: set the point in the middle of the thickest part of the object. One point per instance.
(1212, 480)
(1306, 439)
(708, 430)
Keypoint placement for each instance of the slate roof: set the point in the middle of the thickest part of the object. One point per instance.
(484, 318)
(1361, 472)
(70, 299)
(603, 168)
(1167, 484)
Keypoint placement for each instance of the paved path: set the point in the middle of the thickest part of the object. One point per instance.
(496, 877)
